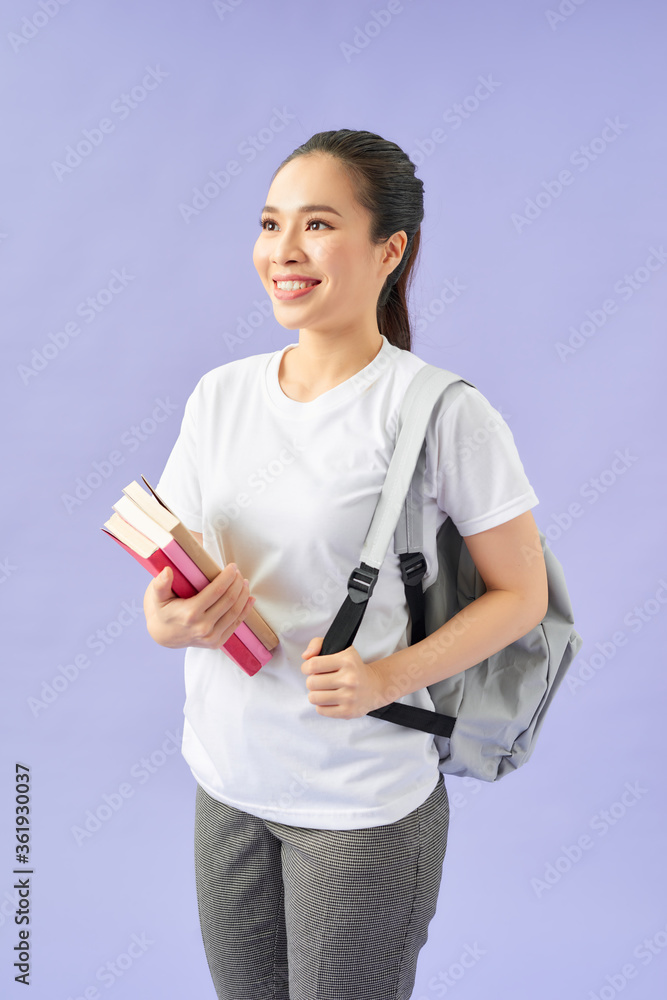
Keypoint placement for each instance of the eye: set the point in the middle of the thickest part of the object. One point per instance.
(266, 220)
(320, 222)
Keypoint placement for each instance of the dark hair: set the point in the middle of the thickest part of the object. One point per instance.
(385, 184)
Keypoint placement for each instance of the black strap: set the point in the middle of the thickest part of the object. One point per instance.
(413, 570)
(416, 718)
(345, 625)
(343, 629)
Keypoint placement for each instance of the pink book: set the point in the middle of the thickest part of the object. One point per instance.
(154, 559)
(133, 514)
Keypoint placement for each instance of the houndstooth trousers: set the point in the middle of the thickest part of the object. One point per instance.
(290, 913)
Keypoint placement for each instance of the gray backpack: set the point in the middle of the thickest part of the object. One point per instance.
(488, 716)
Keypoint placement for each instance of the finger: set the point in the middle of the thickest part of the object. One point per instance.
(233, 616)
(232, 602)
(314, 646)
(238, 594)
(162, 585)
(217, 589)
(222, 618)
(221, 613)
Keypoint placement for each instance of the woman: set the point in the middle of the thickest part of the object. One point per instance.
(320, 831)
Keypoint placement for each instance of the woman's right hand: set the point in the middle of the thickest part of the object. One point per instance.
(207, 619)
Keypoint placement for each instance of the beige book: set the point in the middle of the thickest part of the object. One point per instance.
(157, 509)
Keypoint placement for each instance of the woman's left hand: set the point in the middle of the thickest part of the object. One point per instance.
(341, 685)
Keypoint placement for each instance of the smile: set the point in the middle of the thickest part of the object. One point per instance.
(292, 293)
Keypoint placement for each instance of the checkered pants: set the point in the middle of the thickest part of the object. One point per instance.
(290, 913)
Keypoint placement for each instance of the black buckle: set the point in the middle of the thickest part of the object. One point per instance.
(413, 567)
(360, 583)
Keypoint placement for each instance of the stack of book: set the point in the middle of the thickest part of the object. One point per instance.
(146, 528)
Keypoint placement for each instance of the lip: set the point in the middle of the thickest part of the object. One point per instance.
(294, 277)
(283, 295)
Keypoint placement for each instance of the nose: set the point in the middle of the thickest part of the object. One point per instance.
(287, 246)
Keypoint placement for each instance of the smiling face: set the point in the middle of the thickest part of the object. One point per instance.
(313, 227)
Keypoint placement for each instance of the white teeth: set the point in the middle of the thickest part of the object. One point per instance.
(290, 286)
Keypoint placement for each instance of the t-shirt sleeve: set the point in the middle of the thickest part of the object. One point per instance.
(478, 476)
(179, 484)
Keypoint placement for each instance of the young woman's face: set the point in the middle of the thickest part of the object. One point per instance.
(329, 243)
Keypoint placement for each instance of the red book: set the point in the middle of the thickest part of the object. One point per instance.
(149, 514)
(154, 560)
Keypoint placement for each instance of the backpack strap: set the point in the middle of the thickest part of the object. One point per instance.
(408, 543)
(409, 441)
(398, 504)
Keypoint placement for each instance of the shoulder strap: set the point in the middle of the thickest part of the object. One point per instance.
(426, 387)
(423, 392)
(409, 541)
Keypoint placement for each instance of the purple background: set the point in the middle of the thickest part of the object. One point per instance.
(220, 73)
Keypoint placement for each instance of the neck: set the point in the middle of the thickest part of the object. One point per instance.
(322, 361)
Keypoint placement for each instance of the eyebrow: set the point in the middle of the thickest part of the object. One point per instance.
(304, 209)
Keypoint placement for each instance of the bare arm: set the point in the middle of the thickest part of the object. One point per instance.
(510, 561)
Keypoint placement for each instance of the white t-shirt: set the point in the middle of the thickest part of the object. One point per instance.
(287, 490)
